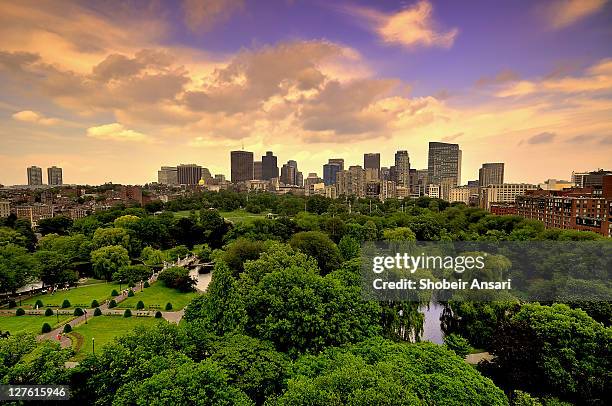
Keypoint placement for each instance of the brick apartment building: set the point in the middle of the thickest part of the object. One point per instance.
(586, 208)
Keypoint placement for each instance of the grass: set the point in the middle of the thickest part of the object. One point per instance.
(158, 295)
(236, 216)
(77, 296)
(104, 329)
(30, 324)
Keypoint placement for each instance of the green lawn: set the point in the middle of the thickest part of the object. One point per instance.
(30, 324)
(236, 216)
(77, 296)
(157, 294)
(104, 329)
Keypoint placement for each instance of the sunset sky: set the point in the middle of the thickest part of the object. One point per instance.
(110, 91)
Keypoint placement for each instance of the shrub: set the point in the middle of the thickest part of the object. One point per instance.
(460, 345)
(140, 305)
(177, 278)
(65, 304)
(97, 312)
(114, 293)
(19, 312)
(46, 327)
(146, 284)
(131, 293)
(12, 304)
(78, 312)
(38, 304)
(131, 284)
(127, 313)
(67, 328)
(94, 303)
(112, 304)
(158, 315)
(48, 312)
(168, 306)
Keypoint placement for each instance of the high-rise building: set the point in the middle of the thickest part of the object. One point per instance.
(258, 170)
(167, 175)
(351, 182)
(331, 169)
(491, 174)
(299, 179)
(578, 178)
(595, 178)
(402, 169)
(288, 174)
(444, 161)
(188, 174)
(54, 176)
(269, 166)
(371, 161)
(34, 176)
(241, 165)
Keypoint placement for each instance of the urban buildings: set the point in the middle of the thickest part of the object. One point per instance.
(269, 168)
(241, 166)
(258, 170)
(491, 174)
(168, 175)
(463, 194)
(189, 174)
(504, 193)
(351, 182)
(331, 169)
(54, 176)
(35, 176)
(288, 174)
(554, 184)
(371, 161)
(5, 209)
(400, 172)
(444, 162)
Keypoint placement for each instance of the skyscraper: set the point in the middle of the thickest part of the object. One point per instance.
(288, 174)
(188, 174)
(491, 174)
(351, 182)
(444, 162)
(402, 168)
(329, 173)
(54, 176)
(34, 176)
(241, 165)
(269, 166)
(371, 161)
(167, 175)
(258, 170)
(338, 161)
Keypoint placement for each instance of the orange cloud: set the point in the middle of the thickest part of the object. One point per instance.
(34, 117)
(563, 13)
(411, 27)
(115, 132)
(202, 16)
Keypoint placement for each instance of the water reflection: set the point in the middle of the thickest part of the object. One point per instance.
(432, 329)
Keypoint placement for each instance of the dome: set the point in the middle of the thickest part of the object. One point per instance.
(201, 182)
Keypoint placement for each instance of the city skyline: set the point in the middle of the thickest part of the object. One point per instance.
(112, 93)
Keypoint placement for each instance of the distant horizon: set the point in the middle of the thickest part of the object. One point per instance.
(115, 91)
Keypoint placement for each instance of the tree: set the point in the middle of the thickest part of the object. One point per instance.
(51, 267)
(152, 257)
(214, 227)
(252, 365)
(104, 237)
(204, 383)
(458, 344)
(381, 372)
(108, 260)
(399, 234)
(17, 268)
(240, 251)
(133, 273)
(178, 278)
(320, 247)
(76, 248)
(10, 236)
(349, 247)
(55, 225)
(24, 227)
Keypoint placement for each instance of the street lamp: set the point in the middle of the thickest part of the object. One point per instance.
(120, 282)
(57, 315)
(85, 313)
(93, 345)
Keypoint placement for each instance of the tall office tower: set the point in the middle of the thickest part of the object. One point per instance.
(491, 174)
(338, 161)
(351, 182)
(414, 182)
(258, 170)
(422, 181)
(242, 166)
(54, 176)
(385, 173)
(269, 166)
(34, 176)
(288, 174)
(444, 162)
(371, 161)
(188, 174)
(578, 178)
(402, 168)
(299, 178)
(167, 175)
(329, 173)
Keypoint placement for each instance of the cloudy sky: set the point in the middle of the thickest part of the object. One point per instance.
(112, 90)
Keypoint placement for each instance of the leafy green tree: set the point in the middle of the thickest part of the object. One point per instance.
(10, 236)
(17, 267)
(318, 245)
(214, 227)
(108, 260)
(55, 225)
(104, 237)
(76, 248)
(240, 251)
(253, 366)
(51, 267)
(132, 273)
(152, 257)
(458, 344)
(178, 278)
(24, 227)
(128, 221)
(399, 234)
(349, 247)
